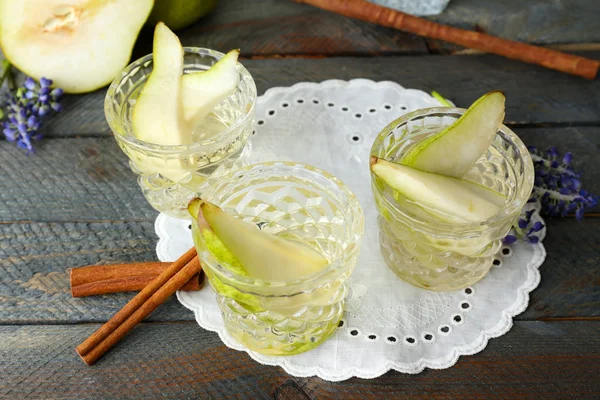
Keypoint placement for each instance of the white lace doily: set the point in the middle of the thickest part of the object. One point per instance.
(389, 324)
(415, 7)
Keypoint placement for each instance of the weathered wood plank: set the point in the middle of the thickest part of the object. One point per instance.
(535, 95)
(275, 27)
(541, 22)
(34, 258)
(89, 179)
(34, 284)
(534, 360)
(570, 283)
(69, 180)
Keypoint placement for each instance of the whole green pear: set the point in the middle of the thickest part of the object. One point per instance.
(178, 14)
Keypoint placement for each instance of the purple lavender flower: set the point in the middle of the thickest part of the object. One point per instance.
(25, 107)
(525, 229)
(510, 239)
(558, 186)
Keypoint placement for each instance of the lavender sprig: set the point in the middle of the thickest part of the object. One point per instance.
(525, 228)
(557, 186)
(25, 107)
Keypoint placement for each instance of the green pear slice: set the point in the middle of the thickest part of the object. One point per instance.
(454, 150)
(262, 255)
(213, 243)
(202, 91)
(422, 212)
(157, 116)
(80, 45)
(438, 194)
(224, 256)
(287, 305)
(485, 193)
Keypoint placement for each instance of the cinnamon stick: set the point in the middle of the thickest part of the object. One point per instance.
(146, 301)
(366, 11)
(103, 279)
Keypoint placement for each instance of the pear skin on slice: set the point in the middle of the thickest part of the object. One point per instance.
(203, 90)
(262, 255)
(455, 149)
(438, 194)
(224, 256)
(214, 245)
(157, 116)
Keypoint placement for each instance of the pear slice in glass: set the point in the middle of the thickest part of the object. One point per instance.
(439, 195)
(261, 254)
(202, 91)
(455, 149)
(157, 116)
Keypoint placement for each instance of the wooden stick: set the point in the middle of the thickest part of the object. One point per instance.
(366, 11)
(146, 301)
(103, 279)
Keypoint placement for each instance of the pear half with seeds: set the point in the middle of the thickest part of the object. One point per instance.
(440, 195)
(454, 150)
(261, 255)
(80, 45)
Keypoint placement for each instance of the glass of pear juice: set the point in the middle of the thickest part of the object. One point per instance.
(298, 203)
(426, 251)
(171, 175)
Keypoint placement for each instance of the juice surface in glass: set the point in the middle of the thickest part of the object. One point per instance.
(442, 255)
(302, 204)
(170, 176)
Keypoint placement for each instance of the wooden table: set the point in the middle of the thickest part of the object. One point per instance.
(76, 202)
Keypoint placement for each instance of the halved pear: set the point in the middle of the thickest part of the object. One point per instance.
(454, 150)
(80, 45)
(262, 255)
(438, 194)
(202, 91)
(157, 116)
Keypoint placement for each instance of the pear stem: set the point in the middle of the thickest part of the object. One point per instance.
(441, 99)
(6, 73)
(373, 160)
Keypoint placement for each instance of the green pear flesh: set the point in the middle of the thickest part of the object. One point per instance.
(438, 194)
(263, 255)
(421, 212)
(157, 116)
(80, 45)
(485, 193)
(454, 150)
(202, 91)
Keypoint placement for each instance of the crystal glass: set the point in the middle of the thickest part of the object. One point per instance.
(170, 176)
(426, 251)
(300, 203)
